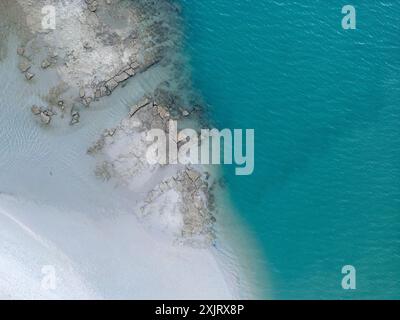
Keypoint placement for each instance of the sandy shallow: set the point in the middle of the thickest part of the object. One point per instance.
(55, 212)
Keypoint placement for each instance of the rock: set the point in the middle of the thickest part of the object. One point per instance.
(74, 121)
(29, 75)
(45, 64)
(87, 45)
(103, 91)
(144, 102)
(88, 101)
(20, 51)
(111, 84)
(130, 72)
(110, 132)
(185, 113)
(108, 1)
(49, 112)
(97, 93)
(75, 117)
(163, 112)
(36, 110)
(121, 77)
(193, 175)
(81, 92)
(45, 118)
(24, 66)
(135, 65)
(149, 62)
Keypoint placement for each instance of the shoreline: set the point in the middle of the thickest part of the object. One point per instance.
(141, 83)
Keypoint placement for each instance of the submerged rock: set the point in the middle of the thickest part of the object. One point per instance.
(104, 91)
(121, 77)
(185, 113)
(29, 75)
(20, 51)
(24, 66)
(97, 94)
(163, 112)
(36, 110)
(45, 117)
(111, 84)
(130, 72)
(45, 64)
(87, 101)
(193, 175)
(81, 92)
(74, 117)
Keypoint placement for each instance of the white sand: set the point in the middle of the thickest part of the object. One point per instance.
(97, 257)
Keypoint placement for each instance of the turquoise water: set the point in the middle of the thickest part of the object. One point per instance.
(325, 106)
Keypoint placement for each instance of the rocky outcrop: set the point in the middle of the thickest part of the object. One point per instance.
(29, 75)
(191, 220)
(92, 57)
(107, 87)
(44, 115)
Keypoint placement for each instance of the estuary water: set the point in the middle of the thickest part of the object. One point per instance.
(325, 106)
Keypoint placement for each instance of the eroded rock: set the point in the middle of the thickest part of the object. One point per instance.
(24, 66)
(45, 117)
(75, 116)
(111, 84)
(45, 64)
(121, 77)
(29, 75)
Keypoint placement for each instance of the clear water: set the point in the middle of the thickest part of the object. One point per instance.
(325, 106)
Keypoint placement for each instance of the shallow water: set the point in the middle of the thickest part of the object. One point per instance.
(55, 212)
(324, 103)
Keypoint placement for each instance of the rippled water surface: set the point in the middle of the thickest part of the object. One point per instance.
(325, 105)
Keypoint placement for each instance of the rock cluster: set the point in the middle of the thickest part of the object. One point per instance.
(144, 102)
(45, 115)
(121, 76)
(24, 66)
(99, 144)
(105, 88)
(193, 206)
